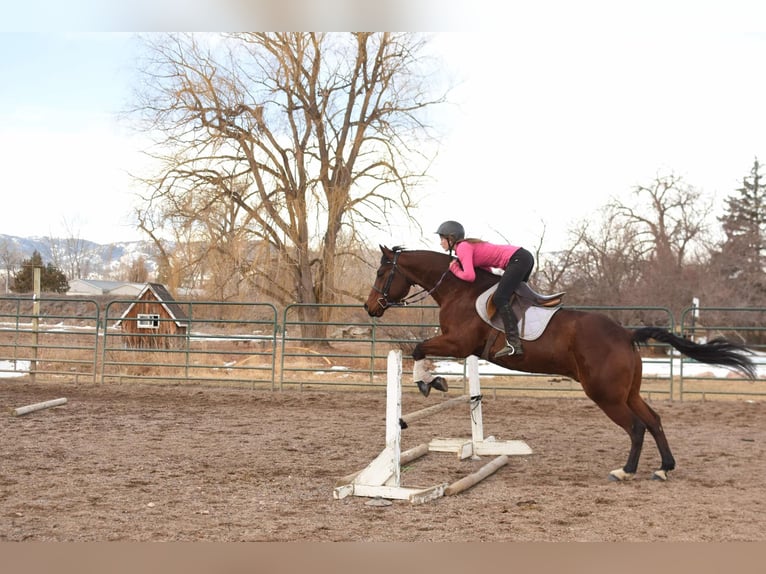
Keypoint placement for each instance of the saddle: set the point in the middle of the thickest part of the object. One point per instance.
(533, 309)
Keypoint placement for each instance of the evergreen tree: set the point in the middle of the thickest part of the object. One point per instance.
(743, 251)
(52, 279)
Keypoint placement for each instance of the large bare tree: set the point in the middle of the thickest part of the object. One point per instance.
(672, 220)
(647, 249)
(293, 144)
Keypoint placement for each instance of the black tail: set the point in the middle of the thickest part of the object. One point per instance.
(717, 351)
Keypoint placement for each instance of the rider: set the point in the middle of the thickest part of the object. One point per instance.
(517, 264)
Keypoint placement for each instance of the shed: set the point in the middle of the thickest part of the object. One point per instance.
(154, 321)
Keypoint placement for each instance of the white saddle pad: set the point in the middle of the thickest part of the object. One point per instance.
(531, 325)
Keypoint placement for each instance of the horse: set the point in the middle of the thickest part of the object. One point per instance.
(589, 347)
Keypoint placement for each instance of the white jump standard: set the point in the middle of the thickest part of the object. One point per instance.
(382, 477)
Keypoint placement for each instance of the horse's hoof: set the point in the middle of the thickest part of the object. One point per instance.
(425, 388)
(402, 424)
(619, 475)
(440, 384)
(660, 475)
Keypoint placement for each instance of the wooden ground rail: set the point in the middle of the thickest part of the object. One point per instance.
(17, 412)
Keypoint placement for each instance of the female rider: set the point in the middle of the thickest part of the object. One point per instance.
(516, 262)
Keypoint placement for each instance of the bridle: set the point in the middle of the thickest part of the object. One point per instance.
(384, 302)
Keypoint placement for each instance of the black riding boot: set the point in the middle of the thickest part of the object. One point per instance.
(512, 340)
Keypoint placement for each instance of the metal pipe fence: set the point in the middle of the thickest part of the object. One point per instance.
(742, 324)
(49, 339)
(250, 345)
(229, 344)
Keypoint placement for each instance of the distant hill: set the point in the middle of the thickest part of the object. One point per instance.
(94, 260)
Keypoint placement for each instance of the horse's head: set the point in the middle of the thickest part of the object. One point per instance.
(390, 286)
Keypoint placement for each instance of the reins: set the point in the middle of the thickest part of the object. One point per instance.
(410, 299)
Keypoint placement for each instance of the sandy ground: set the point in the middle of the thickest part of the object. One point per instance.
(186, 463)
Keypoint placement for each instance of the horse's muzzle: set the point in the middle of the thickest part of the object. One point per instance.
(374, 311)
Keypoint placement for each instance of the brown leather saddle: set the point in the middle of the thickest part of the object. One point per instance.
(533, 309)
(523, 298)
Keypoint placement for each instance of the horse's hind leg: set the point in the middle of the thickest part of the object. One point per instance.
(635, 427)
(653, 423)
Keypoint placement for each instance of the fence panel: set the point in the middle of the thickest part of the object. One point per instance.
(329, 345)
(49, 338)
(744, 325)
(224, 344)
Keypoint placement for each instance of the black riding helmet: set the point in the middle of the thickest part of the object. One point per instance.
(453, 231)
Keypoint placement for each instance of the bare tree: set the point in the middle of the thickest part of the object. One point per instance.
(602, 264)
(138, 273)
(10, 259)
(671, 218)
(649, 251)
(294, 143)
(71, 254)
(553, 268)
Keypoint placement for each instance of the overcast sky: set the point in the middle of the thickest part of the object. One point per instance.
(563, 105)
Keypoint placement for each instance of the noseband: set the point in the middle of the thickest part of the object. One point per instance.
(384, 302)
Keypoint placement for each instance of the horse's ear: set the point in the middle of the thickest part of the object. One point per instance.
(383, 248)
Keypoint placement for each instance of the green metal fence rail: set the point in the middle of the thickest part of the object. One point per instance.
(49, 338)
(324, 346)
(340, 345)
(229, 344)
(744, 324)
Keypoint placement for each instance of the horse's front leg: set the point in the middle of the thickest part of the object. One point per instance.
(437, 346)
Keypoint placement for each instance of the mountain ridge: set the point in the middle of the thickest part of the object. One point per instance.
(79, 258)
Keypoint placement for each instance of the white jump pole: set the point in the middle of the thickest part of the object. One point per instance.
(37, 407)
(428, 411)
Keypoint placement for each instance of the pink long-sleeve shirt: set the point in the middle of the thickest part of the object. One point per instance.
(485, 255)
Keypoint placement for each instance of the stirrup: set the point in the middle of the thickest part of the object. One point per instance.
(510, 349)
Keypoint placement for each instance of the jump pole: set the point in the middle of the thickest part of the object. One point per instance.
(382, 477)
(37, 407)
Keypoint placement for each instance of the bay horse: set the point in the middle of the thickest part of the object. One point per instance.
(588, 347)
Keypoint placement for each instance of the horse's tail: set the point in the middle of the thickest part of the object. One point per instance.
(718, 351)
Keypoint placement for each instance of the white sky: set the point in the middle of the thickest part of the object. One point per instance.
(564, 105)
